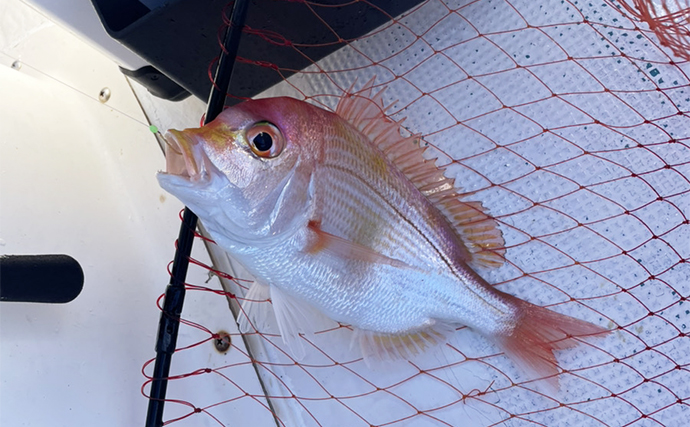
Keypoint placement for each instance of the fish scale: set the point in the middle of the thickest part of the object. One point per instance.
(350, 191)
(390, 198)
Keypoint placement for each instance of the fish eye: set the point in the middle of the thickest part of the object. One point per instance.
(265, 139)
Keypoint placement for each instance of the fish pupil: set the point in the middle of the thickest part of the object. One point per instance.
(263, 141)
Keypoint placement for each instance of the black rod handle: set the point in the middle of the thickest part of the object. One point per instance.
(53, 279)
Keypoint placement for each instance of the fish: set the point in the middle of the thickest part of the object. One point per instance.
(339, 217)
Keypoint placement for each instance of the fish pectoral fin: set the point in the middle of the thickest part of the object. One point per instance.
(297, 321)
(378, 347)
(343, 248)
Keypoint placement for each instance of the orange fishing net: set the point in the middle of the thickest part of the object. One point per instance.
(570, 121)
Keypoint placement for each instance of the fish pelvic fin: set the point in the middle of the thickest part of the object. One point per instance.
(476, 229)
(252, 317)
(538, 333)
(379, 347)
(345, 249)
(297, 321)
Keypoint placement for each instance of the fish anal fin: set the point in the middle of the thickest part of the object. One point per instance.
(477, 230)
(378, 347)
(345, 249)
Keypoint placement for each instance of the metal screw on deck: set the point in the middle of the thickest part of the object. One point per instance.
(169, 323)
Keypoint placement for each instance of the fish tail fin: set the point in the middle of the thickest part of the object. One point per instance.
(540, 331)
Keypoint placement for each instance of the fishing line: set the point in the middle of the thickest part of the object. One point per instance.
(171, 146)
(152, 128)
(87, 95)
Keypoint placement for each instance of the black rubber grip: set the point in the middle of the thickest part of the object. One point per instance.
(40, 278)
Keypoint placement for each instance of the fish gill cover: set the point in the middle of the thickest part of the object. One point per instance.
(570, 122)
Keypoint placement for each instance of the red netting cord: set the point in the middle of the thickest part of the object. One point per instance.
(570, 121)
(668, 19)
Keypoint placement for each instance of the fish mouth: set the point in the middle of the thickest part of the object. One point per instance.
(184, 156)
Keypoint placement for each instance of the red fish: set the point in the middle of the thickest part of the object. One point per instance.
(337, 214)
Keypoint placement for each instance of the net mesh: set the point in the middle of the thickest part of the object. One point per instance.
(570, 121)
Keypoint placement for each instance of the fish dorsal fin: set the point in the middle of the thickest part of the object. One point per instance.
(477, 230)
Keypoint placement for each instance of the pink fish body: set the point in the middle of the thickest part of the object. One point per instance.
(337, 214)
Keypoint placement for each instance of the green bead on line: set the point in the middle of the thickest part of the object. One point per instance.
(153, 129)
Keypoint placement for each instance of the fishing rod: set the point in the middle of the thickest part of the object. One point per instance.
(169, 322)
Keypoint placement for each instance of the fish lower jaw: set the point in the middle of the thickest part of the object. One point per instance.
(231, 234)
(172, 181)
